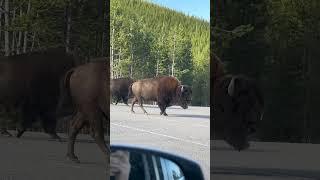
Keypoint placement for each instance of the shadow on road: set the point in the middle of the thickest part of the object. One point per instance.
(146, 106)
(231, 149)
(270, 172)
(190, 116)
(42, 138)
(176, 115)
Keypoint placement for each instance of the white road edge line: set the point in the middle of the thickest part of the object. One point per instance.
(150, 132)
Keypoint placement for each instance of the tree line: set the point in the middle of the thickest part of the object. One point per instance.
(148, 40)
(276, 42)
(29, 25)
(32, 25)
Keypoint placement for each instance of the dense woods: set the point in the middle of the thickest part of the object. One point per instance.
(28, 25)
(276, 42)
(148, 40)
(31, 25)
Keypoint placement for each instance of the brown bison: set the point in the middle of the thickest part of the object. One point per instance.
(165, 90)
(29, 83)
(86, 87)
(119, 89)
(237, 106)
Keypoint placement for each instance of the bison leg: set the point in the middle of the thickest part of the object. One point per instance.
(125, 100)
(97, 131)
(140, 101)
(26, 122)
(162, 109)
(77, 124)
(27, 118)
(118, 98)
(20, 132)
(133, 102)
(49, 125)
(141, 106)
(4, 132)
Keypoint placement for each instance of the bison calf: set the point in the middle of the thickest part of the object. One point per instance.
(165, 90)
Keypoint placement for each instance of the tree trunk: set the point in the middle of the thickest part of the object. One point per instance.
(74, 33)
(33, 39)
(19, 37)
(13, 34)
(26, 32)
(68, 26)
(306, 109)
(112, 52)
(131, 65)
(106, 28)
(120, 71)
(157, 72)
(1, 2)
(173, 54)
(6, 33)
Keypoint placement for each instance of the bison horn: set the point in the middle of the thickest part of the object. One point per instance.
(231, 87)
(181, 88)
(261, 116)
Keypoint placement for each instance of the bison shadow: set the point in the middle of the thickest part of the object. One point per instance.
(190, 116)
(265, 172)
(232, 149)
(148, 106)
(84, 139)
(177, 115)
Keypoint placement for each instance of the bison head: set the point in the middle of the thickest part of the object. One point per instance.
(184, 94)
(237, 109)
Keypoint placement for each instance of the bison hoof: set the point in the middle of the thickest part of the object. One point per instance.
(73, 158)
(19, 134)
(132, 111)
(55, 137)
(165, 114)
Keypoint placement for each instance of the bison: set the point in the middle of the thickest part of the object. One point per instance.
(85, 87)
(165, 90)
(237, 106)
(29, 83)
(119, 89)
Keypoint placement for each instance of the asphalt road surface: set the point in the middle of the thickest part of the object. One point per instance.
(35, 157)
(266, 161)
(185, 132)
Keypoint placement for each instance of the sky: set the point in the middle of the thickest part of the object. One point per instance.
(198, 8)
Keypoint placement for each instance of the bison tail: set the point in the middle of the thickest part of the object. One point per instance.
(65, 103)
(130, 94)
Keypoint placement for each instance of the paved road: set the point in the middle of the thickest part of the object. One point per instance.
(186, 132)
(34, 157)
(266, 161)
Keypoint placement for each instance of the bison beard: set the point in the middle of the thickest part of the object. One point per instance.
(165, 90)
(29, 83)
(86, 86)
(237, 107)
